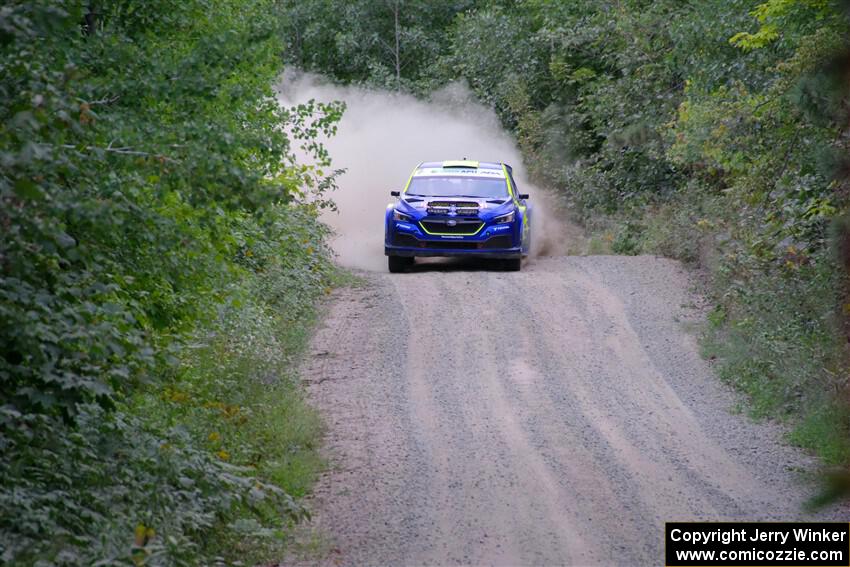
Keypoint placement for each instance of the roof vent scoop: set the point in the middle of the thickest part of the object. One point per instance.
(464, 163)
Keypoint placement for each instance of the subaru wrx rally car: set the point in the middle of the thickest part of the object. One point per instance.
(458, 208)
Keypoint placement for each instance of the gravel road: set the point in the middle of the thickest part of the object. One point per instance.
(554, 416)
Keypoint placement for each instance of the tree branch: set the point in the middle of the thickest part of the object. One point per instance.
(104, 101)
(125, 150)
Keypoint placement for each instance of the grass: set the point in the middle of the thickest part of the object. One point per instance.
(782, 367)
(826, 429)
(599, 245)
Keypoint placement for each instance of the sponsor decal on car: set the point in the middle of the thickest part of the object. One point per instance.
(457, 172)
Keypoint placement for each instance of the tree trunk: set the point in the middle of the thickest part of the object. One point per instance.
(396, 8)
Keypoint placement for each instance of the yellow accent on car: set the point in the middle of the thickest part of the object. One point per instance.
(461, 163)
(451, 233)
(409, 179)
(508, 179)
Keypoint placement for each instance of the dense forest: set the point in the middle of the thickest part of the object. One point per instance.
(712, 131)
(161, 252)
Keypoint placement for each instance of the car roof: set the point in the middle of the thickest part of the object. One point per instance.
(463, 163)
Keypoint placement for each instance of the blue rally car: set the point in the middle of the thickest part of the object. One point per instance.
(458, 208)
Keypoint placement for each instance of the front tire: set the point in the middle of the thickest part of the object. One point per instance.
(513, 264)
(398, 264)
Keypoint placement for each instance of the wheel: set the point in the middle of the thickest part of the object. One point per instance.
(513, 264)
(398, 264)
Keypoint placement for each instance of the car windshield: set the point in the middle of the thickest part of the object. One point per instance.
(457, 186)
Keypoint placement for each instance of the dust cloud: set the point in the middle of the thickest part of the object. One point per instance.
(383, 136)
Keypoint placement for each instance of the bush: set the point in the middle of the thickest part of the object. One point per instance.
(160, 259)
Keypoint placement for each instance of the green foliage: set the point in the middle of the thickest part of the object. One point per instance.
(771, 15)
(828, 429)
(78, 497)
(386, 43)
(627, 239)
(771, 345)
(681, 228)
(159, 240)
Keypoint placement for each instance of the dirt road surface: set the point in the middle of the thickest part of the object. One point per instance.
(554, 416)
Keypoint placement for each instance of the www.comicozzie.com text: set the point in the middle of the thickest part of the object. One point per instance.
(757, 534)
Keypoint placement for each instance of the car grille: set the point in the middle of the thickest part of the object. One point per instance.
(441, 226)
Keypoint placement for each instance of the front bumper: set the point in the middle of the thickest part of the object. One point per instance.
(495, 241)
(506, 254)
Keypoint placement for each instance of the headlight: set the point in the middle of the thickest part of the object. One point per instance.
(504, 219)
(400, 216)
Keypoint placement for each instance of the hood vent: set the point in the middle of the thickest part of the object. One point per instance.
(449, 207)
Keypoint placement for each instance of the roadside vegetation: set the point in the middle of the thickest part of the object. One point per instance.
(159, 263)
(715, 132)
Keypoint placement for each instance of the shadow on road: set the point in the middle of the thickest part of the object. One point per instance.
(457, 265)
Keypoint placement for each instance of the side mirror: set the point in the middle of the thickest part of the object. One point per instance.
(395, 193)
(523, 196)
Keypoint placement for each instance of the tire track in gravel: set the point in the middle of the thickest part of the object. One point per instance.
(490, 418)
(554, 416)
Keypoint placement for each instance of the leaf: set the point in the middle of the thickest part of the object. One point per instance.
(28, 189)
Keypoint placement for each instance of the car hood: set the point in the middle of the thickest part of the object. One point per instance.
(454, 205)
